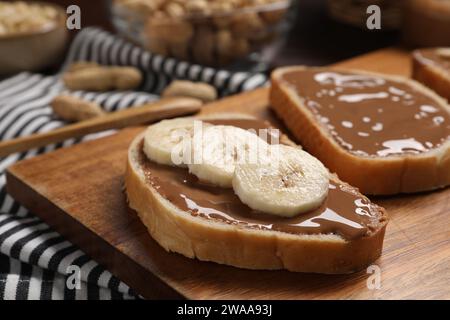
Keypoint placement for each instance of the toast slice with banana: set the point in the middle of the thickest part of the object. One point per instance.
(254, 201)
(382, 134)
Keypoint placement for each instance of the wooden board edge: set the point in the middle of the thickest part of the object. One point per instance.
(134, 275)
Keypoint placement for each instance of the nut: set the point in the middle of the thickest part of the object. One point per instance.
(241, 47)
(444, 53)
(203, 45)
(224, 45)
(19, 17)
(71, 108)
(180, 50)
(221, 11)
(247, 24)
(125, 78)
(174, 10)
(197, 7)
(172, 31)
(158, 45)
(183, 88)
(200, 30)
(273, 17)
(91, 76)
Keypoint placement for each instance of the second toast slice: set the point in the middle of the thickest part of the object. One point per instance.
(382, 134)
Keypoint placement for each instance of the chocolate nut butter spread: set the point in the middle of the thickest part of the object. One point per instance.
(369, 115)
(345, 212)
(437, 57)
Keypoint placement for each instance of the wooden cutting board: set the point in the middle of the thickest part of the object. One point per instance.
(78, 190)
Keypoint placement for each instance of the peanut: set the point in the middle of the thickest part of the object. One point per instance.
(192, 29)
(143, 7)
(203, 45)
(197, 7)
(183, 88)
(273, 17)
(444, 53)
(79, 65)
(247, 24)
(90, 76)
(241, 47)
(158, 46)
(71, 108)
(174, 10)
(189, 7)
(224, 45)
(172, 31)
(125, 78)
(180, 50)
(19, 16)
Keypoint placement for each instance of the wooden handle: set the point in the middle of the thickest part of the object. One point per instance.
(165, 108)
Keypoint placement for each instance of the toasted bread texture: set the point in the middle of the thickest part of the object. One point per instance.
(213, 240)
(431, 74)
(375, 175)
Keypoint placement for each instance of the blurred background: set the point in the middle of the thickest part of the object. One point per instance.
(255, 35)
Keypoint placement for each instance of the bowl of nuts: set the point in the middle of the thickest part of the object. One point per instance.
(235, 34)
(32, 35)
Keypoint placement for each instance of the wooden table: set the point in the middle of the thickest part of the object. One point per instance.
(78, 191)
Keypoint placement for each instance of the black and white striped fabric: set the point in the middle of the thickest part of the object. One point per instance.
(33, 257)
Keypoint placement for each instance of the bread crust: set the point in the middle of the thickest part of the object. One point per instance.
(372, 175)
(207, 240)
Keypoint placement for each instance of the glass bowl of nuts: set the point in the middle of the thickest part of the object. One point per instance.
(32, 35)
(232, 34)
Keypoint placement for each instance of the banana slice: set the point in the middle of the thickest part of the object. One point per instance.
(166, 141)
(216, 152)
(290, 183)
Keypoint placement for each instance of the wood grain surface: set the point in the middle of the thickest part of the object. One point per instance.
(78, 190)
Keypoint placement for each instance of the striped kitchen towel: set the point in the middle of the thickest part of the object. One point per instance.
(33, 257)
